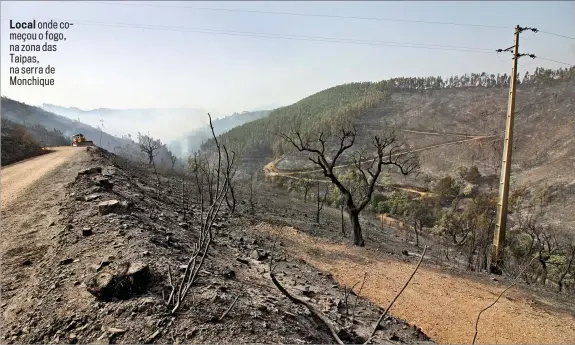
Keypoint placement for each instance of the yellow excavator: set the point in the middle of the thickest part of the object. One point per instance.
(80, 140)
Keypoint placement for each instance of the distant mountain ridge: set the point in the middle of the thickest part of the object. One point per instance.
(159, 121)
(353, 103)
(191, 141)
(126, 145)
(56, 108)
(23, 113)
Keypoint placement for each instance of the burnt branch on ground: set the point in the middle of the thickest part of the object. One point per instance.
(497, 299)
(333, 330)
(398, 294)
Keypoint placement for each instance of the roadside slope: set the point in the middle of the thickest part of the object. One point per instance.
(443, 301)
(57, 239)
(445, 306)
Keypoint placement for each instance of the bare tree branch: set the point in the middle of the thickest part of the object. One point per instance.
(346, 293)
(357, 296)
(497, 299)
(149, 146)
(398, 294)
(229, 308)
(201, 247)
(230, 173)
(310, 307)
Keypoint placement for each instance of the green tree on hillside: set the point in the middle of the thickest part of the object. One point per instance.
(420, 215)
(385, 148)
(471, 175)
(446, 189)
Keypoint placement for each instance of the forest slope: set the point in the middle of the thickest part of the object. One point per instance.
(431, 111)
(25, 141)
(471, 104)
(191, 141)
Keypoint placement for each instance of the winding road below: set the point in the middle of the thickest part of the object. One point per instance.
(271, 168)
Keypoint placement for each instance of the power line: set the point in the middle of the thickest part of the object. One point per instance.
(301, 38)
(282, 36)
(318, 15)
(558, 35)
(302, 14)
(498, 58)
(564, 63)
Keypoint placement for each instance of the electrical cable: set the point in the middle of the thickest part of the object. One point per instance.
(281, 36)
(564, 63)
(318, 15)
(298, 14)
(558, 35)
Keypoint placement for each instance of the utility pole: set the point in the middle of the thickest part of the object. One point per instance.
(502, 203)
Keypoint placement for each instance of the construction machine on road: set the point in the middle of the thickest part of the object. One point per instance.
(80, 140)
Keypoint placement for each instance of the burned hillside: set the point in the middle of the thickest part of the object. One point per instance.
(115, 243)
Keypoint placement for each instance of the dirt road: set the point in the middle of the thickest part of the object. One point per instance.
(32, 193)
(443, 305)
(17, 177)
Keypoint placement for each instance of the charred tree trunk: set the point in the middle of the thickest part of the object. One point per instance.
(210, 186)
(543, 263)
(320, 202)
(356, 227)
(184, 199)
(342, 221)
(231, 204)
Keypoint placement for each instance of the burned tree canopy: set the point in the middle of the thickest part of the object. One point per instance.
(384, 150)
(149, 146)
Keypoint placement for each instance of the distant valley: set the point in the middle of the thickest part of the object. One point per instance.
(166, 124)
(191, 141)
(158, 121)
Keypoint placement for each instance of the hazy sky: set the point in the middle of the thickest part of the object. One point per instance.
(103, 65)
